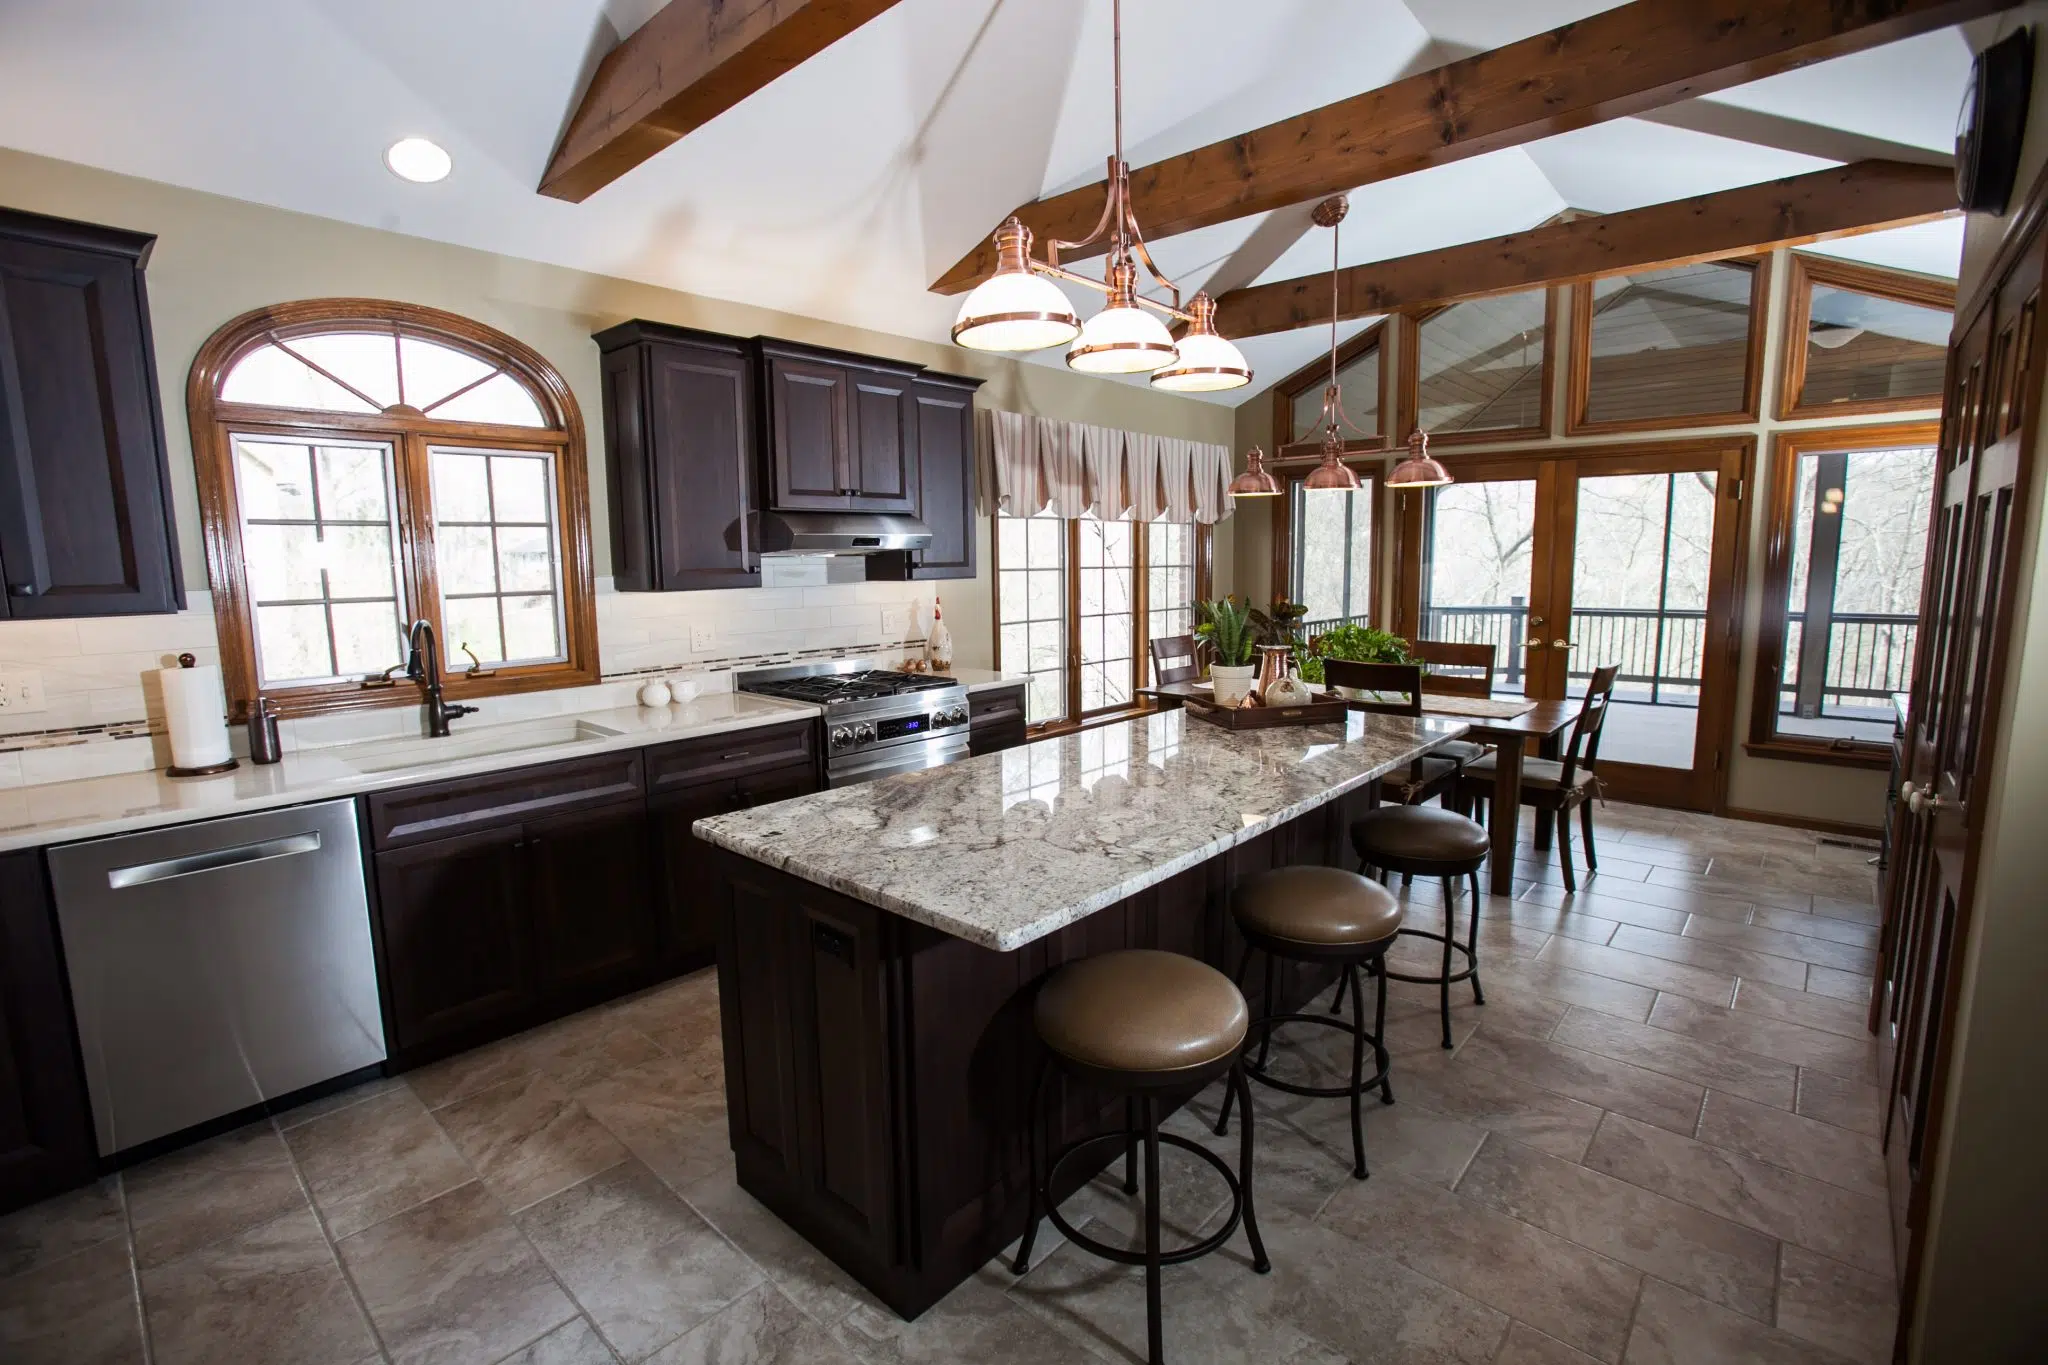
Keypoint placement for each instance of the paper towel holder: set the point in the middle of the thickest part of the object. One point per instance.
(192, 661)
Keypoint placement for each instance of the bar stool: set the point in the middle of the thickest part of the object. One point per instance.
(1320, 914)
(1142, 1022)
(1429, 841)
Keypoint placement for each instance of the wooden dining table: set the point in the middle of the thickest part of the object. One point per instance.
(1545, 722)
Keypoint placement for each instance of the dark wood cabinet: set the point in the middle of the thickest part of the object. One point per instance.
(689, 920)
(944, 405)
(842, 431)
(85, 502)
(681, 456)
(596, 923)
(881, 466)
(46, 1136)
(457, 940)
(995, 719)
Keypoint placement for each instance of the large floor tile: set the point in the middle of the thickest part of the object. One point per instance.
(1747, 884)
(1640, 969)
(1527, 1346)
(339, 1100)
(78, 1310)
(1778, 942)
(1673, 1327)
(1571, 986)
(977, 1323)
(1853, 909)
(1846, 1104)
(1762, 1036)
(1575, 1295)
(1846, 1310)
(1810, 924)
(1646, 904)
(1672, 1054)
(465, 1074)
(451, 1280)
(1853, 987)
(206, 1193)
(1784, 1204)
(529, 1139)
(644, 1265)
(575, 1342)
(1590, 1078)
(1808, 1146)
(761, 1328)
(56, 1228)
(666, 1114)
(587, 1047)
(371, 1160)
(804, 1274)
(1711, 955)
(272, 1294)
(1848, 1018)
(1500, 1103)
(1732, 1265)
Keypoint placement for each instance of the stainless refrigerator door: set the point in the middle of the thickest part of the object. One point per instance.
(217, 965)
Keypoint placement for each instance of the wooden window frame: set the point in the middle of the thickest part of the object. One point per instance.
(1283, 530)
(1808, 271)
(1409, 394)
(1141, 612)
(1579, 373)
(1316, 375)
(1780, 507)
(214, 421)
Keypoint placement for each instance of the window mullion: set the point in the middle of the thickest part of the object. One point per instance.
(416, 533)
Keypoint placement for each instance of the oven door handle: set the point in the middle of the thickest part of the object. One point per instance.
(902, 758)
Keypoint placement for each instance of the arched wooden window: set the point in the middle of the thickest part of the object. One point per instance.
(365, 464)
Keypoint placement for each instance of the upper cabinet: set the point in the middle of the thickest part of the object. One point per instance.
(85, 518)
(842, 431)
(701, 429)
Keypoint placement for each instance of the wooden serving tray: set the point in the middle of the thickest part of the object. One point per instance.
(1322, 711)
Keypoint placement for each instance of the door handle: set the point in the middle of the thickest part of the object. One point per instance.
(1922, 802)
(1535, 620)
(1907, 791)
(1564, 644)
(1532, 644)
(213, 860)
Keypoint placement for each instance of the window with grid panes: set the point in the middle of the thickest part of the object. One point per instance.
(1170, 569)
(1333, 547)
(1031, 590)
(367, 465)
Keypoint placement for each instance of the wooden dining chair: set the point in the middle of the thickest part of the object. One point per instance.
(1431, 776)
(1554, 787)
(1442, 654)
(1174, 660)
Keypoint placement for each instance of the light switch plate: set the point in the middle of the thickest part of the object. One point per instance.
(893, 627)
(22, 690)
(702, 638)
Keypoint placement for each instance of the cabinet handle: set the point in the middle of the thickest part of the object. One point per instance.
(727, 758)
(21, 590)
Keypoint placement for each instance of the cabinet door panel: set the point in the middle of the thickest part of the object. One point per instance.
(945, 455)
(754, 1009)
(684, 869)
(703, 453)
(457, 940)
(809, 459)
(882, 472)
(84, 527)
(594, 917)
(46, 1137)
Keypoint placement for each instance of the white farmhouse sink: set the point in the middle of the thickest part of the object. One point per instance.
(532, 736)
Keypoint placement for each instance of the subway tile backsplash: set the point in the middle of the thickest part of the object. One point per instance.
(103, 718)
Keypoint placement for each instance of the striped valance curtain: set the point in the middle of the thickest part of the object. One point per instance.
(1076, 469)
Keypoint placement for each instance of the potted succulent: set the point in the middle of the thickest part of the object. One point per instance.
(1233, 641)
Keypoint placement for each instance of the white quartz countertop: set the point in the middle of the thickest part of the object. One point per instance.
(982, 679)
(1006, 848)
(65, 811)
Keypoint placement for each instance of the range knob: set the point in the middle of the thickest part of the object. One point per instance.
(953, 715)
(842, 737)
(864, 732)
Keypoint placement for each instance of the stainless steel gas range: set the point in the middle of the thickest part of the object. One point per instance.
(877, 722)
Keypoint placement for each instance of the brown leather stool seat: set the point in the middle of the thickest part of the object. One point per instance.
(1320, 915)
(1145, 1022)
(1321, 905)
(1429, 841)
(1142, 1011)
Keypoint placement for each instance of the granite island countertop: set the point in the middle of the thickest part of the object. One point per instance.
(1006, 848)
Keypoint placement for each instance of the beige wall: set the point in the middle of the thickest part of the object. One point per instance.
(217, 257)
(1799, 790)
(1981, 1296)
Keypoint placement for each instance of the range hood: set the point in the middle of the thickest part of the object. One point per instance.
(834, 533)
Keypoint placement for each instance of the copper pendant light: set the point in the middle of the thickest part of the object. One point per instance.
(1419, 469)
(1019, 309)
(1256, 481)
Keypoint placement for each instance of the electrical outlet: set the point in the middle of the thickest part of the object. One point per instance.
(22, 691)
(702, 638)
(893, 624)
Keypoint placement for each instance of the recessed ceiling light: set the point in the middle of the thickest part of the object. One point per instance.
(418, 160)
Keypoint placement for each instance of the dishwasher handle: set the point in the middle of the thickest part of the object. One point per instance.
(213, 860)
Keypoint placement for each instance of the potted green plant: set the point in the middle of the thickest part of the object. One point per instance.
(1360, 644)
(1233, 639)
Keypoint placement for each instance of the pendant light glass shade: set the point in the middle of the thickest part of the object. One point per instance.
(1125, 340)
(1418, 469)
(1013, 309)
(1206, 361)
(1332, 475)
(1255, 482)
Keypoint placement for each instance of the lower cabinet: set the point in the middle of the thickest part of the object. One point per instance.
(46, 1137)
(689, 913)
(995, 719)
(595, 919)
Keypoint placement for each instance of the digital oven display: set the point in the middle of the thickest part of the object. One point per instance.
(901, 726)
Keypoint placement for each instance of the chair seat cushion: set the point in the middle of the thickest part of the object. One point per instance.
(1327, 906)
(1417, 834)
(1419, 781)
(1141, 1010)
(1544, 773)
(1460, 751)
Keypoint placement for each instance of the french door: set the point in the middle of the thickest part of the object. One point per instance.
(1572, 561)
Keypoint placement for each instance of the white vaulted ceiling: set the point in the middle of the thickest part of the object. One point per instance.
(841, 189)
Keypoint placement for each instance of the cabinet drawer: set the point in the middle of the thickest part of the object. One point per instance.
(441, 809)
(715, 758)
(996, 708)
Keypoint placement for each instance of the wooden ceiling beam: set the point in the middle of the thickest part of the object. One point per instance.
(1618, 62)
(682, 68)
(1860, 197)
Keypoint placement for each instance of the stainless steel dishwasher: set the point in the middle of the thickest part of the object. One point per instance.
(217, 965)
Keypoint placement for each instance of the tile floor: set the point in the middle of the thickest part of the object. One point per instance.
(1655, 1143)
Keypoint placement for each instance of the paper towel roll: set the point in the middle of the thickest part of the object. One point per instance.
(195, 712)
